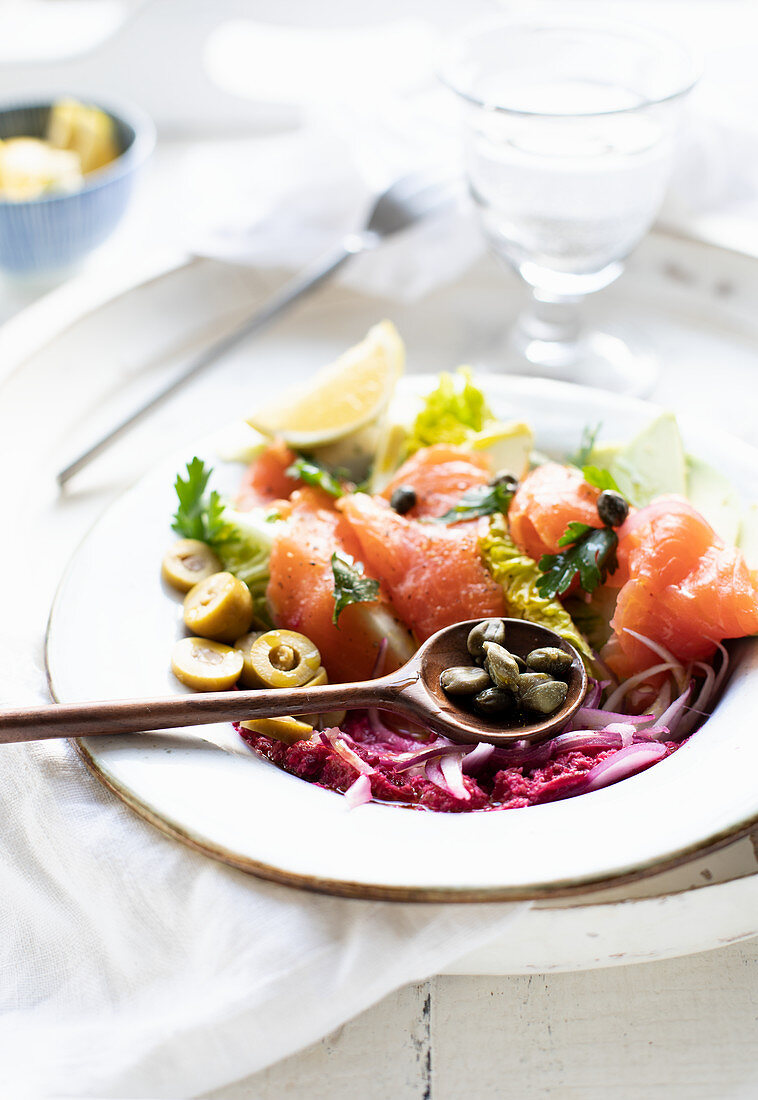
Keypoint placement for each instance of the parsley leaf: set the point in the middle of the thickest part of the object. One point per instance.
(481, 500)
(350, 586)
(586, 446)
(198, 516)
(601, 479)
(313, 473)
(590, 553)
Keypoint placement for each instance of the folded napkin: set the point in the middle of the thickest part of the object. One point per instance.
(132, 966)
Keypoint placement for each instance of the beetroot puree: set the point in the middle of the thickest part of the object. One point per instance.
(494, 788)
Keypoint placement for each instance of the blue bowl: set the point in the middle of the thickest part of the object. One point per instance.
(48, 234)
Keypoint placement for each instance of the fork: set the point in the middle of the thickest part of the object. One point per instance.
(407, 201)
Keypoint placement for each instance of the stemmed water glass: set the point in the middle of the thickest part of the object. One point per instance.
(569, 131)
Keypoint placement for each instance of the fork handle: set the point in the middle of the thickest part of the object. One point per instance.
(296, 288)
(141, 715)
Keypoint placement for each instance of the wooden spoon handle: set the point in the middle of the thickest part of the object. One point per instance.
(139, 715)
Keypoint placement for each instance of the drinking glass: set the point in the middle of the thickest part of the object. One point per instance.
(569, 131)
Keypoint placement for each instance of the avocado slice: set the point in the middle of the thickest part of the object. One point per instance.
(714, 496)
(748, 536)
(652, 463)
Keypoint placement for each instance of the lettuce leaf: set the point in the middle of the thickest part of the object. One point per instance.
(453, 413)
(245, 551)
(518, 574)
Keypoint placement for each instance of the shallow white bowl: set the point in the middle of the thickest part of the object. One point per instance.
(236, 807)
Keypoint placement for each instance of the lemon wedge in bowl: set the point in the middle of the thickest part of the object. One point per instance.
(350, 394)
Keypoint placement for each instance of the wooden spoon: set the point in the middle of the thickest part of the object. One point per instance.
(412, 690)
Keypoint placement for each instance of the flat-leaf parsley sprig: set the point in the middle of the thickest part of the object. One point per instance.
(350, 585)
(199, 515)
(590, 554)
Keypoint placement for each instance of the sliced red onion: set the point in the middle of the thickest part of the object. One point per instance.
(662, 700)
(434, 752)
(341, 747)
(358, 793)
(477, 758)
(389, 737)
(450, 766)
(622, 764)
(672, 716)
(664, 654)
(594, 718)
(614, 699)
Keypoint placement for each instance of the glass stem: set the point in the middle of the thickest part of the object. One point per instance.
(548, 331)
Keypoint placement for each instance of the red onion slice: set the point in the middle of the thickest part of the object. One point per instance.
(358, 793)
(622, 764)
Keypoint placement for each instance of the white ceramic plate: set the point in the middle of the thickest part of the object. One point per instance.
(111, 605)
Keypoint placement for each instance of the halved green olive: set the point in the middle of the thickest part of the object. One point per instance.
(205, 665)
(188, 562)
(244, 645)
(220, 607)
(282, 659)
(288, 730)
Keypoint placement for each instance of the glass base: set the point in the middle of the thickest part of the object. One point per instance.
(599, 359)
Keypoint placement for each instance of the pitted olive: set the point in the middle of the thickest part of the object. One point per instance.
(205, 665)
(188, 562)
(219, 607)
(282, 659)
(490, 630)
(287, 730)
(550, 659)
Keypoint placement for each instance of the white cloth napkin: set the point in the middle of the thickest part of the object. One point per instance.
(132, 966)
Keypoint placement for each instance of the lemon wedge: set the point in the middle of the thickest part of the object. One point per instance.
(342, 398)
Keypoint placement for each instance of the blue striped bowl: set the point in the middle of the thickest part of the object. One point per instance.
(45, 235)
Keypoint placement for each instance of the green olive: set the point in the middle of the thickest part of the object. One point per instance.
(288, 730)
(205, 665)
(244, 645)
(282, 659)
(220, 608)
(187, 562)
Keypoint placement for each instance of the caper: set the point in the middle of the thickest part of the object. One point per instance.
(612, 508)
(545, 698)
(205, 665)
(271, 654)
(500, 666)
(519, 661)
(466, 680)
(549, 659)
(489, 630)
(219, 607)
(403, 499)
(288, 730)
(528, 680)
(494, 701)
(187, 562)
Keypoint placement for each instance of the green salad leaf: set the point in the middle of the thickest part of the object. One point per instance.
(518, 575)
(313, 473)
(242, 540)
(601, 479)
(453, 412)
(350, 586)
(590, 554)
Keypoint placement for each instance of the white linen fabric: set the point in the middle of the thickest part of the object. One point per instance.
(130, 965)
(133, 967)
